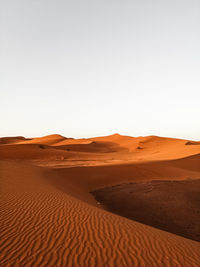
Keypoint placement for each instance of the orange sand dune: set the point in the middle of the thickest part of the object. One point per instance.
(48, 217)
(110, 148)
(46, 140)
(41, 226)
(93, 146)
(153, 147)
(12, 140)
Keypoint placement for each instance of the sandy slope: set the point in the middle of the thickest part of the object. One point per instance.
(173, 206)
(41, 226)
(49, 218)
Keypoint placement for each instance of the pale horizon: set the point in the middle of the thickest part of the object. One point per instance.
(84, 69)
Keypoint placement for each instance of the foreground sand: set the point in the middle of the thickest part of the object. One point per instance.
(49, 218)
(173, 206)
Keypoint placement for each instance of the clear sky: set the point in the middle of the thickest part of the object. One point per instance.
(90, 68)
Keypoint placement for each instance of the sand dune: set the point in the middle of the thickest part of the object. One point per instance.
(46, 140)
(48, 217)
(153, 147)
(12, 140)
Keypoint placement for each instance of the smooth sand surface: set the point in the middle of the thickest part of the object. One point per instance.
(48, 217)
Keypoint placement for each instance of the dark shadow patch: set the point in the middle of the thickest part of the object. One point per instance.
(42, 146)
(173, 206)
(192, 143)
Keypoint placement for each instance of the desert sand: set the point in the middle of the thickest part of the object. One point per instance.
(105, 201)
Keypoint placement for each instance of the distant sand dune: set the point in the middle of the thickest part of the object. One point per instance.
(12, 140)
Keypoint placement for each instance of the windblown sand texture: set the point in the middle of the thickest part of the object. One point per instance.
(48, 217)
